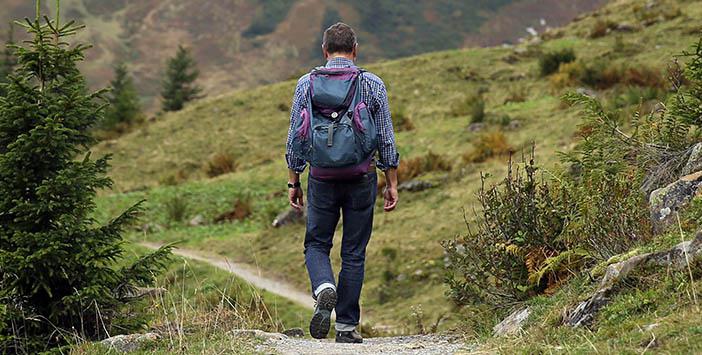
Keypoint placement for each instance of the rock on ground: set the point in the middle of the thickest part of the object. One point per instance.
(198, 220)
(294, 332)
(259, 334)
(131, 342)
(677, 258)
(694, 162)
(289, 216)
(513, 324)
(665, 201)
(420, 344)
(415, 186)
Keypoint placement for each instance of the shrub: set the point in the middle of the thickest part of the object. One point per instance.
(636, 95)
(220, 164)
(488, 145)
(472, 106)
(550, 62)
(401, 119)
(517, 93)
(412, 168)
(241, 210)
(568, 75)
(174, 179)
(517, 230)
(602, 28)
(176, 208)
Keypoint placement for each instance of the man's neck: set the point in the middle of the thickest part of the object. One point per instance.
(338, 55)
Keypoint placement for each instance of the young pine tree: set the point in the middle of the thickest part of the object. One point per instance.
(60, 276)
(179, 85)
(7, 59)
(124, 107)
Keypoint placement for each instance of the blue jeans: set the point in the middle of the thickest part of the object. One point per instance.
(326, 201)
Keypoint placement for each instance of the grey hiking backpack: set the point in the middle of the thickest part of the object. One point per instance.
(335, 132)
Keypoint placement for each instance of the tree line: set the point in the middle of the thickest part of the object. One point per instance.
(178, 87)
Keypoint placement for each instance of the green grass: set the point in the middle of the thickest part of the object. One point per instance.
(658, 305)
(252, 126)
(206, 303)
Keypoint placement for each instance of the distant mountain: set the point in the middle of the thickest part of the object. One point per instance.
(241, 43)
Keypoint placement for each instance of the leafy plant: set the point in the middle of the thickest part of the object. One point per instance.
(472, 106)
(517, 231)
(177, 208)
(551, 61)
(60, 277)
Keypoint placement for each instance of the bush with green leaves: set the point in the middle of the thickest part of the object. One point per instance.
(550, 62)
(516, 230)
(62, 272)
(531, 234)
(472, 106)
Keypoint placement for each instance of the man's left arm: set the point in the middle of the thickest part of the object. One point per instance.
(387, 150)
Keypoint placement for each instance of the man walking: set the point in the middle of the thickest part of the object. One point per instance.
(340, 118)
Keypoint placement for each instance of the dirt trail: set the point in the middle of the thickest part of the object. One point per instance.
(278, 343)
(411, 345)
(246, 272)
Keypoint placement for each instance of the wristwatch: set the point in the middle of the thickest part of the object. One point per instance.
(294, 186)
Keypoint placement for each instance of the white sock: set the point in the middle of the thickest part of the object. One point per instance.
(323, 287)
(341, 327)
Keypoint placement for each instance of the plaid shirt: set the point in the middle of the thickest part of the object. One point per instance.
(373, 93)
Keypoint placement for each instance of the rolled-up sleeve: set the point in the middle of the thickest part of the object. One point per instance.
(294, 162)
(387, 150)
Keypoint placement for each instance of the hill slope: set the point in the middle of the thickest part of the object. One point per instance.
(405, 267)
(250, 42)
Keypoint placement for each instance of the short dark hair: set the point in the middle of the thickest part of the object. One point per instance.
(339, 38)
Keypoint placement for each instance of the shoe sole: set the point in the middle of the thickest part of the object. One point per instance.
(349, 341)
(321, 320)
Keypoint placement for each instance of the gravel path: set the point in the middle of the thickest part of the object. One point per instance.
(278, 343)
(246, 272)
(419, 344)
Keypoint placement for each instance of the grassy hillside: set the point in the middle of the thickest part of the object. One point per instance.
(165, 162)
(252, 42)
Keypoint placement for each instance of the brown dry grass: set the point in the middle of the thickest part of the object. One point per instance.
(488, 145)
(220, 164)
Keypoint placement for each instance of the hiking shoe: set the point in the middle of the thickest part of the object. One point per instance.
(321, 319)
(351, 337)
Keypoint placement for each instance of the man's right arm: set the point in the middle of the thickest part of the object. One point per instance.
(296, 165)
(294, 162)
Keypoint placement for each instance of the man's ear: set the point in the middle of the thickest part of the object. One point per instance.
(355, 51)
(325, 54)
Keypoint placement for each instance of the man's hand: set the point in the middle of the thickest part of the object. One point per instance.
(295, 195)
(391, 198)
(296, 198)
(390, 194)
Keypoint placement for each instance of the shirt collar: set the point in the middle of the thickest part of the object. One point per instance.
(339, 62)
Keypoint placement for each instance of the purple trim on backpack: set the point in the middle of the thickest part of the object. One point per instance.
(341, 174)
(304, 130)
(357, 116)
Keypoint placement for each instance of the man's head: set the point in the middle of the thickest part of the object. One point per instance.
(339, 41)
